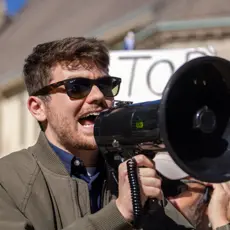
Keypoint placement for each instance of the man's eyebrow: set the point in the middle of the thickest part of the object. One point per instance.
(84, 76)
(75, 76)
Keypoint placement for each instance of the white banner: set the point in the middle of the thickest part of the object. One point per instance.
(145, 73)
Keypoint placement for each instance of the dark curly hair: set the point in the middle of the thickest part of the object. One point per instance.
(38, 65)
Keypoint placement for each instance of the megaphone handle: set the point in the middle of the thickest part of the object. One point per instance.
(135, 192)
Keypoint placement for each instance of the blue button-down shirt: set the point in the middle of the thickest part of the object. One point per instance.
(95, 182)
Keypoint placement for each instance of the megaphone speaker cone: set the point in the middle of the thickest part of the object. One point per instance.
(194, 118)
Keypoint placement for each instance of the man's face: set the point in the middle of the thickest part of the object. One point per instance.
(63, 114)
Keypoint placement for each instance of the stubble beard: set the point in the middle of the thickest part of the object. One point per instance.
(196, 213)
(68, 135)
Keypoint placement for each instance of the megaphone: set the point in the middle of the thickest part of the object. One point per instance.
(191, 119)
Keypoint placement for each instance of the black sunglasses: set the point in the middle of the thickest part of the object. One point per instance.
(79, 87)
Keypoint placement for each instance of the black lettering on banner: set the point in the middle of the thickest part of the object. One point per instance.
(190, 53)
(148, 77)
(135, 60)
(166, 62)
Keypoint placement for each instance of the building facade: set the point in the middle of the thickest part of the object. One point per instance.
(18, 129)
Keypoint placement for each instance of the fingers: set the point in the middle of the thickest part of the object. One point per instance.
(222, 187)
(218, 209)
(143, 161)
(148, 182)
(226, 187)
(151, 187)
(152, 192)
(146, 172)
(151, 182)
(221, 192)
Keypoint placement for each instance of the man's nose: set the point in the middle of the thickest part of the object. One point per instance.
(95, 96)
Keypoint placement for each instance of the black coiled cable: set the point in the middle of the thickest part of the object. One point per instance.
(135, 192)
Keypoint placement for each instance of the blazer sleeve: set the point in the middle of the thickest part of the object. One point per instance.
(108, 218)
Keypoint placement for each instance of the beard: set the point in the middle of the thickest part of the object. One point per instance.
(196, 214)
(67, 132)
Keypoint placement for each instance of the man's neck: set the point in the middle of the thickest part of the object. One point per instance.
(89, 157)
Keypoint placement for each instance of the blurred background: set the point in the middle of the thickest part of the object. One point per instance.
(124, 25)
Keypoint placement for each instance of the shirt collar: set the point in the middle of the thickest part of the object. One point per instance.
(64, 156)
(70, 160)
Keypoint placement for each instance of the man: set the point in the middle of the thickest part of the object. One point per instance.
(129, 41)
(61, 182)
(192, 198)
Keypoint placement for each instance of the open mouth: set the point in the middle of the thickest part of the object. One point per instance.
(88, 120)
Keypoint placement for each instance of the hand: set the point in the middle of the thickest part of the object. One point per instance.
(150, 185)
(218, 208)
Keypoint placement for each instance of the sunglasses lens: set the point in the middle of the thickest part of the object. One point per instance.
(109, 86)
(78, 88)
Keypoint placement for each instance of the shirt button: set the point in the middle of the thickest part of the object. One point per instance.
(77, 163)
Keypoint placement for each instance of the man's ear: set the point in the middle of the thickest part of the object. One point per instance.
(37, 108)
